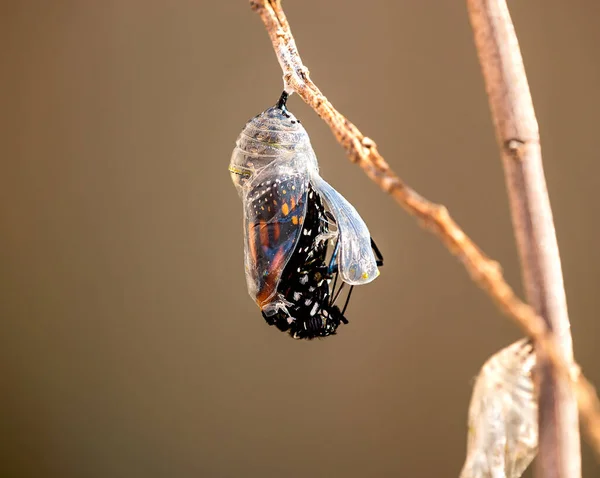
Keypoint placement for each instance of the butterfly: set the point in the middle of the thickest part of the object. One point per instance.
(303, 241)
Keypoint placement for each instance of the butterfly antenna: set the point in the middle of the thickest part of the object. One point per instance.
(347, 299)
(339, 291)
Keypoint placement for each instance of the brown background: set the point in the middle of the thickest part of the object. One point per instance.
(129, 345)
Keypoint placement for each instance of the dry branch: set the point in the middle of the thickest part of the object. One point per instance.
(518, 138)
(363, 151)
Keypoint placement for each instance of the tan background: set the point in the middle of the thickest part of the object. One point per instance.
(129, 346)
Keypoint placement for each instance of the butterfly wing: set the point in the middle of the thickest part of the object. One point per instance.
(274, 210)
(357, 264)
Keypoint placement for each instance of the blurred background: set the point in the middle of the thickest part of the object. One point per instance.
(129, 344)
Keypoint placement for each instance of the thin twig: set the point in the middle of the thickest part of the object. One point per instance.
(363, 151)
(517, 134)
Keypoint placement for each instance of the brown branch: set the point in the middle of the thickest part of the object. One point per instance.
(363, 151)
(518, 138)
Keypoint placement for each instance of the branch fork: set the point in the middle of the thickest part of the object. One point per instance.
(546, 320)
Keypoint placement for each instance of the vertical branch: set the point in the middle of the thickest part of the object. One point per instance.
(518, 138)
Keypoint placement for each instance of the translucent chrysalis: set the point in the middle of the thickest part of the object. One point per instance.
(299, 232)
(503, 421)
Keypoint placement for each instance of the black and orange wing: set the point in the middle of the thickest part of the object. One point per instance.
(274, 210)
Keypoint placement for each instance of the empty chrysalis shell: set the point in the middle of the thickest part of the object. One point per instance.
(503, 421)
(291, 215)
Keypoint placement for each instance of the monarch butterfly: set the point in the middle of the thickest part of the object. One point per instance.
(503, 431)
(300, 234)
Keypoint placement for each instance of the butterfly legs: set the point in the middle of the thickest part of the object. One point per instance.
(333, 270)
(378, 255)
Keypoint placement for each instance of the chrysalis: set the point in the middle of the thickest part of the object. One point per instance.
(299, 232)
(503, 430)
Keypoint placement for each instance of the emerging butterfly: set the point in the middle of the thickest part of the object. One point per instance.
(299, 232)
